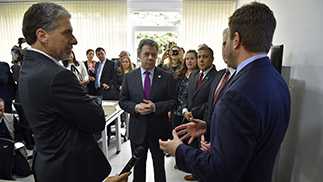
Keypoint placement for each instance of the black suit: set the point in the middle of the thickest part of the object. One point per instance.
(145, 130)
(210, 102)
(7, 86)
(197, 98)
(109, 77)
(63, 119)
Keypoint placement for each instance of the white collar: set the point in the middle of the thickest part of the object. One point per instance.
(43, 53)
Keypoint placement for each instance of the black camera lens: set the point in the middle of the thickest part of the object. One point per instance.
(175, 52)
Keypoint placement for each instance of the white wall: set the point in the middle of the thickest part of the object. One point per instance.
(299, 28)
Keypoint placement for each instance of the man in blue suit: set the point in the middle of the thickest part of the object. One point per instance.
(252, 114)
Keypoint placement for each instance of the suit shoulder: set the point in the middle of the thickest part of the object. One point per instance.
(163, 73)
(195, 72)
(4, 64)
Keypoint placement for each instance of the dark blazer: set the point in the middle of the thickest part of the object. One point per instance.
(109, 76)
(248, 125)
(163, 94)
(7, 86)
(63, 119)
(197, 98)
(210, 106)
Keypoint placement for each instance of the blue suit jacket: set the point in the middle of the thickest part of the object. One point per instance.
(248, 125)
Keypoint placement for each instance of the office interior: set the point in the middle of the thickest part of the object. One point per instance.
(299, 28)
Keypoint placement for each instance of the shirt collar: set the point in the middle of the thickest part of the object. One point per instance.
(231, 70)
(249, 60)
(206, 71)
(43, 53)
(150, 71)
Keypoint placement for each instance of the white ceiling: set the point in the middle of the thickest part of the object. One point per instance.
(134, 5)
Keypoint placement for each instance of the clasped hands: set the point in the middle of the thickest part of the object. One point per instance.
(145, 107)
(189, 131)
(105, 86)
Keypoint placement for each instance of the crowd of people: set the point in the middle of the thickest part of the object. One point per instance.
(219, 124)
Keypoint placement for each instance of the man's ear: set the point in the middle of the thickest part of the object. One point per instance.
(42, 35)
(236, 40)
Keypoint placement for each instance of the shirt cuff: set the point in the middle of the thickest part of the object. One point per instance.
(184, 110)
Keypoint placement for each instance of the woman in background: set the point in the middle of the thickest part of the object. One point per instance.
(78, 68)
(124, 68)
(182, 77)
(90, 67)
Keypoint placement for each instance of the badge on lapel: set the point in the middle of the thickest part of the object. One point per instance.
(159, 76)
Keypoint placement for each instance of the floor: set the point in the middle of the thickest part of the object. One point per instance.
(118, 161)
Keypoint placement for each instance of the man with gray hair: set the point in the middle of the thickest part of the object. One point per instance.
(62, 117)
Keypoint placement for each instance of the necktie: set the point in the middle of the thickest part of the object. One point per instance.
(97, 76)
(199, 82)
(147, 85)
(220, 86)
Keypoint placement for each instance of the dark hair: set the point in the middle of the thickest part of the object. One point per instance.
(99, 49)
(88, 51)
(65, 62)
(41, 15)
(256, 24)
(21, 40)
(206, 47)
(148, 42)
(181, 72)
(74, 60)
(17, 51)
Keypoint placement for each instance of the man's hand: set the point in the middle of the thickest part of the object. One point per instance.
(105, 86)
(145, 107)
(150, 105)
(191, 130)
(121, 178)
(142, 109)
(91, 78)
(170, 146)
(188, 116)
(205, 146)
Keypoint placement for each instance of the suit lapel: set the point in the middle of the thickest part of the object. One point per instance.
(205, 80)
(193, 86)
(155, 82)
(138, 79)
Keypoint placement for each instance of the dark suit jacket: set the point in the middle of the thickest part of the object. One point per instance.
(162, 94)
(248, 125)
(109, 76)
(63, 119)
(210, 106)
(7, 86)
(198, 97)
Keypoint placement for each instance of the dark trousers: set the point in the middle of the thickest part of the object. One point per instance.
(158, 159)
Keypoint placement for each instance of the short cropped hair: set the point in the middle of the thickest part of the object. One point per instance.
(148, 42)
(99, 49)
(41, 15)
(206, 47)
(256, 24)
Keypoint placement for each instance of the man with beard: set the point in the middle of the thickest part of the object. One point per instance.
(250, 118)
